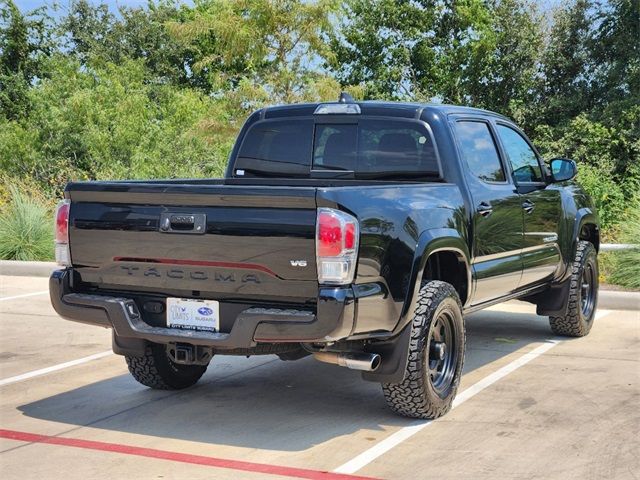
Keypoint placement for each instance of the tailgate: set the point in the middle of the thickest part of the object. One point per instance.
(214, 241)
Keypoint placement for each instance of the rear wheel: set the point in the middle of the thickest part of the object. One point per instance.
(436, 355)
(156, 370)
(583, 294)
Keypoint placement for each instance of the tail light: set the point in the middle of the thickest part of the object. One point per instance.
(63, 256)
(337, 235)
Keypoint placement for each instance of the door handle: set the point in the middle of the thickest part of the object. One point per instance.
(485, 209)
(528, 206)
(183, 223)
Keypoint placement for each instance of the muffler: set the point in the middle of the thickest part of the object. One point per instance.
(353, 360)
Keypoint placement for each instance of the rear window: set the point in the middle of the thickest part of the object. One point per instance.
(276, 147)
(336, 147)
(369, 149)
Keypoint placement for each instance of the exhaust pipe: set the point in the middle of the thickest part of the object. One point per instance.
(353, 360)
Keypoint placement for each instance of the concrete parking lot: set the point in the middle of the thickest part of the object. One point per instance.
(531, 405)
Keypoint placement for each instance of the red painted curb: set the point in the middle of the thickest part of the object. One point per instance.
(178, 457)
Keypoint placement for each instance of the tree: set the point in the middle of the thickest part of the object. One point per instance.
(455, 53)
(24, 42)
(375, 46)
(269, 49)
(616, 53)
(565, 88)
(475, 52)
(94, 34)
(142, 34)
(503, 74)
(590, 93)
(86, 28)
(107, 121)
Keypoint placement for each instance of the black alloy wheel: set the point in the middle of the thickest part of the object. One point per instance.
(443, 356)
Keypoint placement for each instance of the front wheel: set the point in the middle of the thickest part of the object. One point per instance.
(583, 294)
(156, 370)
(436, 355)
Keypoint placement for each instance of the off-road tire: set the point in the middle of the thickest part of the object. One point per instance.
(574, 323)
(156, 370)
(415, 396)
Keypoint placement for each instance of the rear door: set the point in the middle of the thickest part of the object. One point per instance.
(541, 207)
(497, 216)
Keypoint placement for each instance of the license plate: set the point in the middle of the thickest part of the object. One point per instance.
(191, 314)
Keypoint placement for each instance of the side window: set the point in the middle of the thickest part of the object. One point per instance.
(277, 147)
(479, 151)
(524, 162)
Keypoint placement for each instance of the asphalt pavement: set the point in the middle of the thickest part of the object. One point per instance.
(531, 405)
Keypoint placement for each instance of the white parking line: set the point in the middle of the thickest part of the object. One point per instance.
(395, 439)
(33, 294)
(54, 368)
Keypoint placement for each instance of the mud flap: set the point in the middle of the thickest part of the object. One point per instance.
(552, 302)
(395, 355)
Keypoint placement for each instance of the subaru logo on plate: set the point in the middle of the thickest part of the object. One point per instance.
(206, 311)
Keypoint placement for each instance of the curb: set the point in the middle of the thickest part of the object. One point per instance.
(615, 300)
(614, 247)
(27, 269)
(607, 299)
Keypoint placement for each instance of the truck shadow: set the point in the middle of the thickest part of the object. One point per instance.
(268, 404)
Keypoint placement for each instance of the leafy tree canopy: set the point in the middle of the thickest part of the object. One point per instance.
(161, 90)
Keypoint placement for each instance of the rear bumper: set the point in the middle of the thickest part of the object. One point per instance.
(333, 320)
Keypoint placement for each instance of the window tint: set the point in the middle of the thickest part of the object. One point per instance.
(524, 162)
(277, 147)
(375, 147)
(369, 148)
(479, 151)
(335, 147)
(387, 146)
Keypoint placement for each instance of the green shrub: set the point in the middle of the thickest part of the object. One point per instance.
(26, 228)
(608, 161)
(606, 192)
(625, 265)
(109, 122)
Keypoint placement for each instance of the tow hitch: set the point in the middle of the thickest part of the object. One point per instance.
(186, 354)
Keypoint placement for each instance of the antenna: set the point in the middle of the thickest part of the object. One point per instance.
(346, 98)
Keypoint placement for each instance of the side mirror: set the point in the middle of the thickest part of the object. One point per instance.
(563, 169)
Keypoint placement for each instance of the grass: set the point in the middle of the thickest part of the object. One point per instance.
(623, 267)
(26, 227)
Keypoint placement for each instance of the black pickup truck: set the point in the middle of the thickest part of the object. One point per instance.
(356, 232)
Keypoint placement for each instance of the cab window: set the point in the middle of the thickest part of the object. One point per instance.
(524, 162)
(479, 151)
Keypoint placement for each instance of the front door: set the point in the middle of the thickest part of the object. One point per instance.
(541, 206)
(497, 217)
